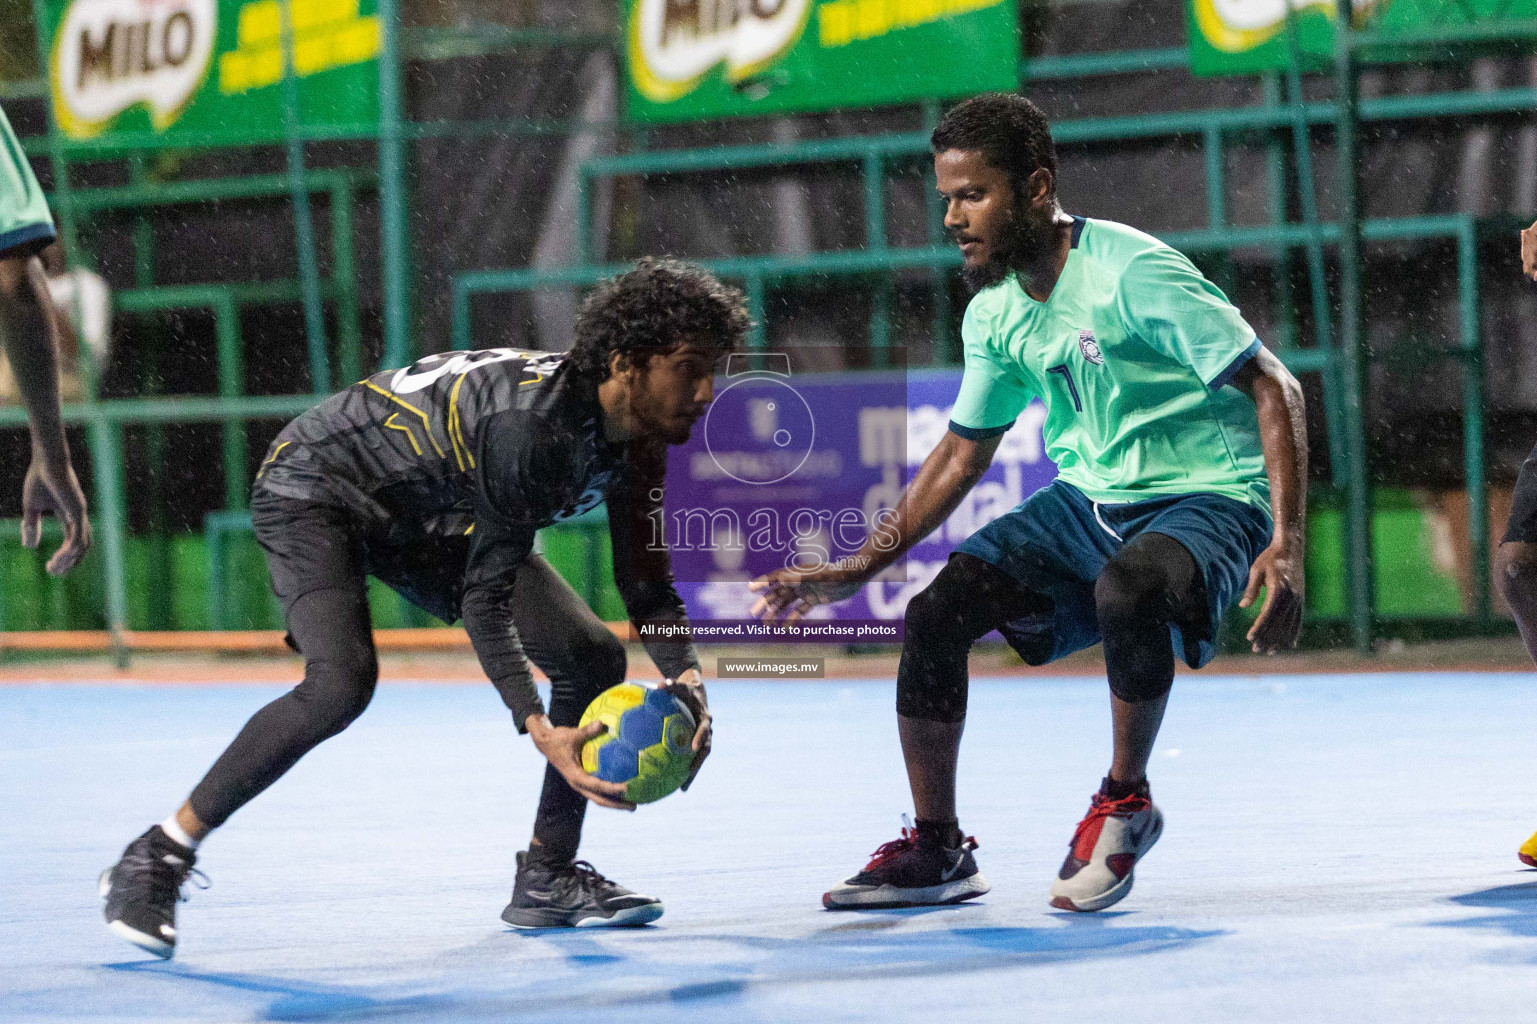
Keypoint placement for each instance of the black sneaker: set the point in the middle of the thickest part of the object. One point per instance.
(143, 888)
(573, 895)
(908, 873)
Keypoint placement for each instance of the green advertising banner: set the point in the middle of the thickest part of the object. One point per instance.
(1243, 37)
(696, 59)
(192, 72)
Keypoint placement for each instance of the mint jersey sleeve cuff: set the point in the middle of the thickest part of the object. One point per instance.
(980, 433)
(1231, 370)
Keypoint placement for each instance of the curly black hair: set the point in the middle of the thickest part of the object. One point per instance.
(653, 309)
(1011, 132)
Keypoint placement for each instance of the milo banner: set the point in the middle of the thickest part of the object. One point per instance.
(1240, 37)
(792, 470)
(692, 59)
(194, 71)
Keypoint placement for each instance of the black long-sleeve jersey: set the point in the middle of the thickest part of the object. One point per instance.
(449, 467)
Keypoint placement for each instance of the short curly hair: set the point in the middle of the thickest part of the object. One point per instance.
(659, 306)
(1011, 132)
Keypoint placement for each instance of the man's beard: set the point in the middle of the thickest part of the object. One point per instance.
(1017, 244)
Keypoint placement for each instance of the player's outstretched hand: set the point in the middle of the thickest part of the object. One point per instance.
(689, 688)
(1529, 252)
(57, 492)
(788, 594)
(1279, 571)
(562, 747)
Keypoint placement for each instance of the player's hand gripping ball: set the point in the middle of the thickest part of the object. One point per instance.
(648, 745)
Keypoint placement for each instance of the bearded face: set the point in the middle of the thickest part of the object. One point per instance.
(998, 231)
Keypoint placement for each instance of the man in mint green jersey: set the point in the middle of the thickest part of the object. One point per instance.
(29, 327)
(1182, 456)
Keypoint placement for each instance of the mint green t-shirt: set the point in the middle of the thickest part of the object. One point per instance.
(24, 217)
(1131, 354)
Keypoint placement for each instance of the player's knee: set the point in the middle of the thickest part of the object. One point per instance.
(924, 619)
(599, 661)
(341, 691)
(931, 681)
(1129, 589)
(937, 614)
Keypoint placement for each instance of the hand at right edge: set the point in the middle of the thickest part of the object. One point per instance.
(562, 747)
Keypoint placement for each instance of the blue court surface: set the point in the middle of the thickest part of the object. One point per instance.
(1338, 848)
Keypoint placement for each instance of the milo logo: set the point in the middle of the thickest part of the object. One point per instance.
(109, 55)
(673, 43)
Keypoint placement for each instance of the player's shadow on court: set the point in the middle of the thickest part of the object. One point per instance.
(872, 946)
(1515, 906)
(295, 1001)
(866, 948)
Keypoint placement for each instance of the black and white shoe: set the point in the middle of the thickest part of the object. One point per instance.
(142, 889)
(573, 895)
(909, 873)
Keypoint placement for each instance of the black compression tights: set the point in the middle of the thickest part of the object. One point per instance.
(559, 632)
(1152, 581)
(332, 628)
(967, 600)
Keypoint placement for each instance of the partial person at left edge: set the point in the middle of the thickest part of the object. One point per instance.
(29, 326)
(434, 479)
(1515, 561)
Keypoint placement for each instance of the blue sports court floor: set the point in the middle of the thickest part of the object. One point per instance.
(1338, 848)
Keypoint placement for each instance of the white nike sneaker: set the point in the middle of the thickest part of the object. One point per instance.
(1106, 846)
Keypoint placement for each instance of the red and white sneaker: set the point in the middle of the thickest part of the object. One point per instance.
(1107, 844)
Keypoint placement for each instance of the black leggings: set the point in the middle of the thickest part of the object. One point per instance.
(1150, 583)
(330, 626)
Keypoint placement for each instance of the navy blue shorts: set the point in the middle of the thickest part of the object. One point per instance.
(1058, 541)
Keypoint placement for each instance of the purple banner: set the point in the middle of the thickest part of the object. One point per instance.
(796, 470)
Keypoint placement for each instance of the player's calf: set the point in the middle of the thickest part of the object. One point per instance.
(1102, 858)
(911, 871)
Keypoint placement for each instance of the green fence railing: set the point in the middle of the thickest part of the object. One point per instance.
(1283, 125)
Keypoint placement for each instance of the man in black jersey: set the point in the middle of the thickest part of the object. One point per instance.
(434, 479)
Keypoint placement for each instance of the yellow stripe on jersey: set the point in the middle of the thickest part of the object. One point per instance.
(455, 427)
(271, 458)
(425, 421)
(406, 427)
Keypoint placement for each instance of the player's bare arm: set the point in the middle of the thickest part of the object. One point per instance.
(1283, 434)
(949, 473)
(29, 324)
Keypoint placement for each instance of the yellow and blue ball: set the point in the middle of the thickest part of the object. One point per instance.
(647, 742)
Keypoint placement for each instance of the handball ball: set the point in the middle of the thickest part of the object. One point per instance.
(648, 742)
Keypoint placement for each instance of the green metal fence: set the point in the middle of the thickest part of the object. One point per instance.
(1282, 125)
(1339, 352)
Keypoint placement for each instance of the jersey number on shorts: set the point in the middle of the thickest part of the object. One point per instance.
(1072, 389)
